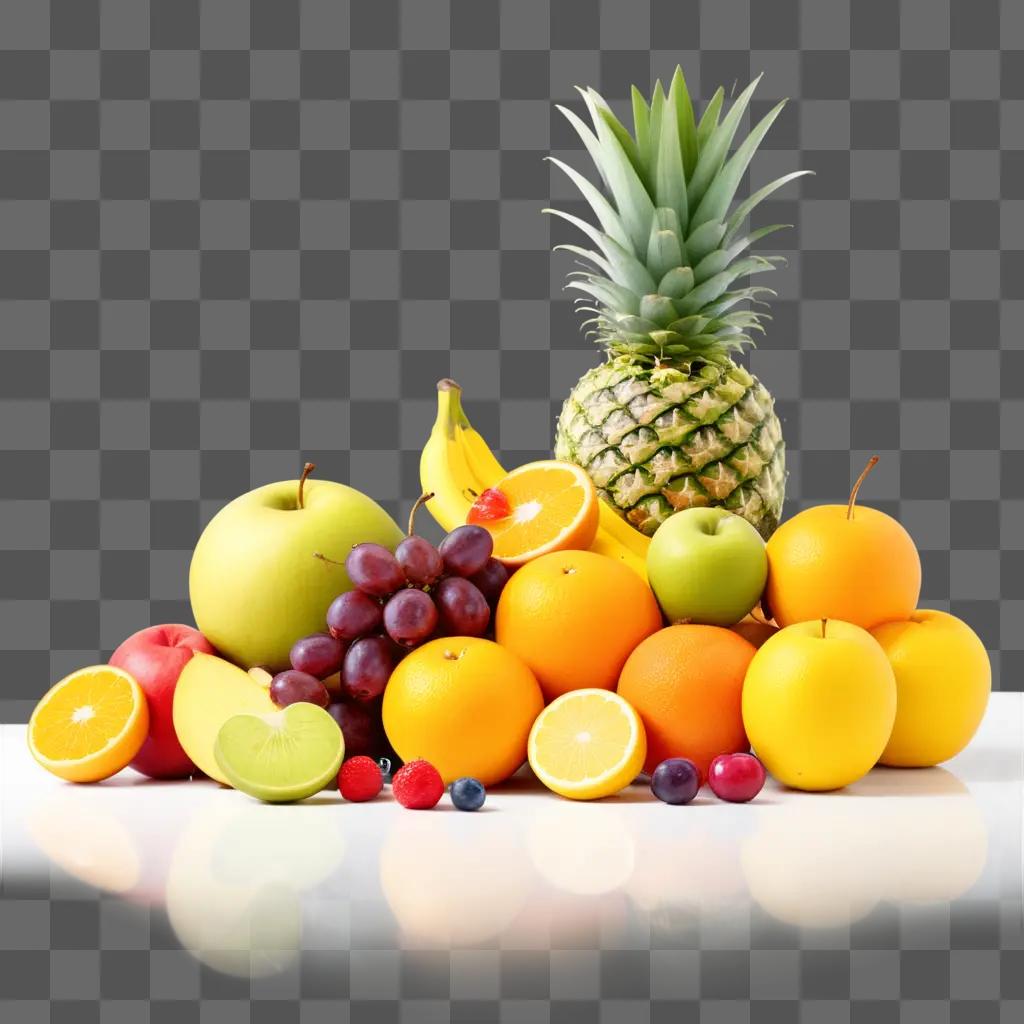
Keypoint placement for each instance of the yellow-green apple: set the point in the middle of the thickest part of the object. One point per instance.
(155, 657)
(210, 691)
(943, 679)
(707, 565)
(270, 562)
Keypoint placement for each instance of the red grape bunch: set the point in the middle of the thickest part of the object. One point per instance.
(398, 602)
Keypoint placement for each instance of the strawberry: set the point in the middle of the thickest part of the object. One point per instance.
(489, 506)
(417, 785)
(360, 779)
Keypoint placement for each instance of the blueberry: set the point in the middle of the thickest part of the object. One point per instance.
(468, 794)
(675, 781)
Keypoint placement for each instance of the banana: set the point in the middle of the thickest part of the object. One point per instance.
(457, 464)
(443, 469)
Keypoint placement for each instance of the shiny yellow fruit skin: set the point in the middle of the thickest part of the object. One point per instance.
(819, 711)
(943, 679)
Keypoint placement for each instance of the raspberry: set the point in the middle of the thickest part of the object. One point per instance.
(360, 779)
(417, 785)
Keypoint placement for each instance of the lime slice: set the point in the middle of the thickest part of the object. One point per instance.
(283, 756)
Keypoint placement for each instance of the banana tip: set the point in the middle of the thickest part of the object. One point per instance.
(447, 384)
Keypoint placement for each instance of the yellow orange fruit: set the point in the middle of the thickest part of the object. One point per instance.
(465, 705)
(847, 562)
(943, 679)
(574, 617)
(819, 701)
(686, 683)
(89, 725)
(554, 508)
(587, 744)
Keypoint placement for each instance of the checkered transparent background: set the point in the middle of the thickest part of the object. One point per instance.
(236, 236)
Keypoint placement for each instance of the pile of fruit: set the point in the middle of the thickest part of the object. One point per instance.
(466, 659)
(632, 607)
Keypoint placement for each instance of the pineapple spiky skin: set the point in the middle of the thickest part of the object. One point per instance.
(658, 439)
(670, 421)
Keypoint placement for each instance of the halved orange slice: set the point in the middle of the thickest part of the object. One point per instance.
(89, 725)
(551, 506)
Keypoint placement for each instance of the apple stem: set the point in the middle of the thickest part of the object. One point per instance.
(421, 500)
(824, 622)
(872, 462)
(306, 470)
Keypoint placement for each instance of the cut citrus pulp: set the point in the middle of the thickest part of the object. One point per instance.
(89, 725)
(282, 756)
(587, 744)
(554, 507)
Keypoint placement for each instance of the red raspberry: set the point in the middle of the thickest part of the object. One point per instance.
(360, 779)
(417, 785)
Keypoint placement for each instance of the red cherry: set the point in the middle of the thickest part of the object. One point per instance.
(489, 506)
(736, 777)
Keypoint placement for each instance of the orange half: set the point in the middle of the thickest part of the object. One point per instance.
(89, 725)
(554, 508)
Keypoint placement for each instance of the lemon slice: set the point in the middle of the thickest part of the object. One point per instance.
(587, 744)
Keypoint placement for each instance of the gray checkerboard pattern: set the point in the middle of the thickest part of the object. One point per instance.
(72, 957)
(236, 235)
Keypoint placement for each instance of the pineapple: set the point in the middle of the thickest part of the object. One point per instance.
(670, 421)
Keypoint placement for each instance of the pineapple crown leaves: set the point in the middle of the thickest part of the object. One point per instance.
(667, 248)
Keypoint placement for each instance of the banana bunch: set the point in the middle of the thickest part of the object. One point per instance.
(457, 465)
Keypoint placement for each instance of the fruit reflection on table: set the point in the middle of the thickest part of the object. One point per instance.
(247, 887)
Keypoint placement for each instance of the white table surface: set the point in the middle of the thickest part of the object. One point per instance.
(246, 885)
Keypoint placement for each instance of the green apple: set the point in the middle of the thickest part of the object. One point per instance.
(707, 565)
(256, 582)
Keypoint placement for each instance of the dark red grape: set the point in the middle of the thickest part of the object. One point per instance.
(373, 569)
(410, 617)
(462, 609)
(675, 781)
(420, 561)
(319, 654)
(353, 614)
(466, 549)
(367, 668)
(490, 580)
(294, 687)
(361, 726)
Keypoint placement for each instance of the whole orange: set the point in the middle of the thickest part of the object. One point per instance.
(686, 683)
(574, 617)
(465, 705)
(847, 562)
